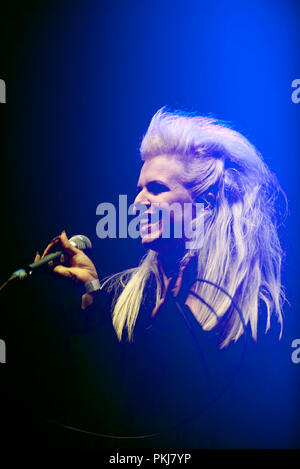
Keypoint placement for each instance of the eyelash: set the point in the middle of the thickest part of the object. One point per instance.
(155, 188)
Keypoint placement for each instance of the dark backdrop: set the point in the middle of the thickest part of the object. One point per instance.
(83, 81)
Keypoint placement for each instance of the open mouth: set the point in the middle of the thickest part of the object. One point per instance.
(150, 222)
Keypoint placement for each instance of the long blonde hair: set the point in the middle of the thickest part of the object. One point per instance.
(240, 249)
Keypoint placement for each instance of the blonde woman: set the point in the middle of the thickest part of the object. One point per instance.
(186, 296)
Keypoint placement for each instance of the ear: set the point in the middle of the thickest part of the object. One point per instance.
(209, 201)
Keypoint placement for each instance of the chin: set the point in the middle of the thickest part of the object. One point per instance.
(156, 242)
(161, 245)
(150, 242)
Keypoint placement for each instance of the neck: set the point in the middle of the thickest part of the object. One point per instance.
(179, 274)
(168, 264)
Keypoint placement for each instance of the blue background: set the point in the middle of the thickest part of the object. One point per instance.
(83, 81)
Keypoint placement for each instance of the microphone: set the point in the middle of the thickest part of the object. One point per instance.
(51, 260)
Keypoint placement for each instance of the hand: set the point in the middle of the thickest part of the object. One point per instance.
(80, 268)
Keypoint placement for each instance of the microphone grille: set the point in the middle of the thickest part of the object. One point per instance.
(81, 242)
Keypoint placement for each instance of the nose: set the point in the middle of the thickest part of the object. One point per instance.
(141, 199)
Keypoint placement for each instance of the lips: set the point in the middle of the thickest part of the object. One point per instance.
(149, 217)
(145, 225)
(149, 228)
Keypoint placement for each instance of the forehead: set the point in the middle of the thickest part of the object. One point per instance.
(166, 168)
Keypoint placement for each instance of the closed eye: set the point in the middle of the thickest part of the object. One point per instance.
(156, 187)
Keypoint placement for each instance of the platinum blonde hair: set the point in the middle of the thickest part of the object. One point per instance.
(240, 251)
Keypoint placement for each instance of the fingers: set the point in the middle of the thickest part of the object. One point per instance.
(63, 241)
(76, 266)
(50, 246)
(67, 246)
(64, 271)
(77, 274)
(37, 257)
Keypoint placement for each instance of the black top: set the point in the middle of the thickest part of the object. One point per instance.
(76, 385)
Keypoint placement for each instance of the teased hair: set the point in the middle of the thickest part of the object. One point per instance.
(241, 251)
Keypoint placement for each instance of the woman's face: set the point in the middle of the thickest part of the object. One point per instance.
(159, 186)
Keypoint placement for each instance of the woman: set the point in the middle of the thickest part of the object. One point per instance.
(190, 159)
(215, 287)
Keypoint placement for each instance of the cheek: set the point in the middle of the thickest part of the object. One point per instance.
(173, 213)
(177, 216)
(180, 197)
(180, 202)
